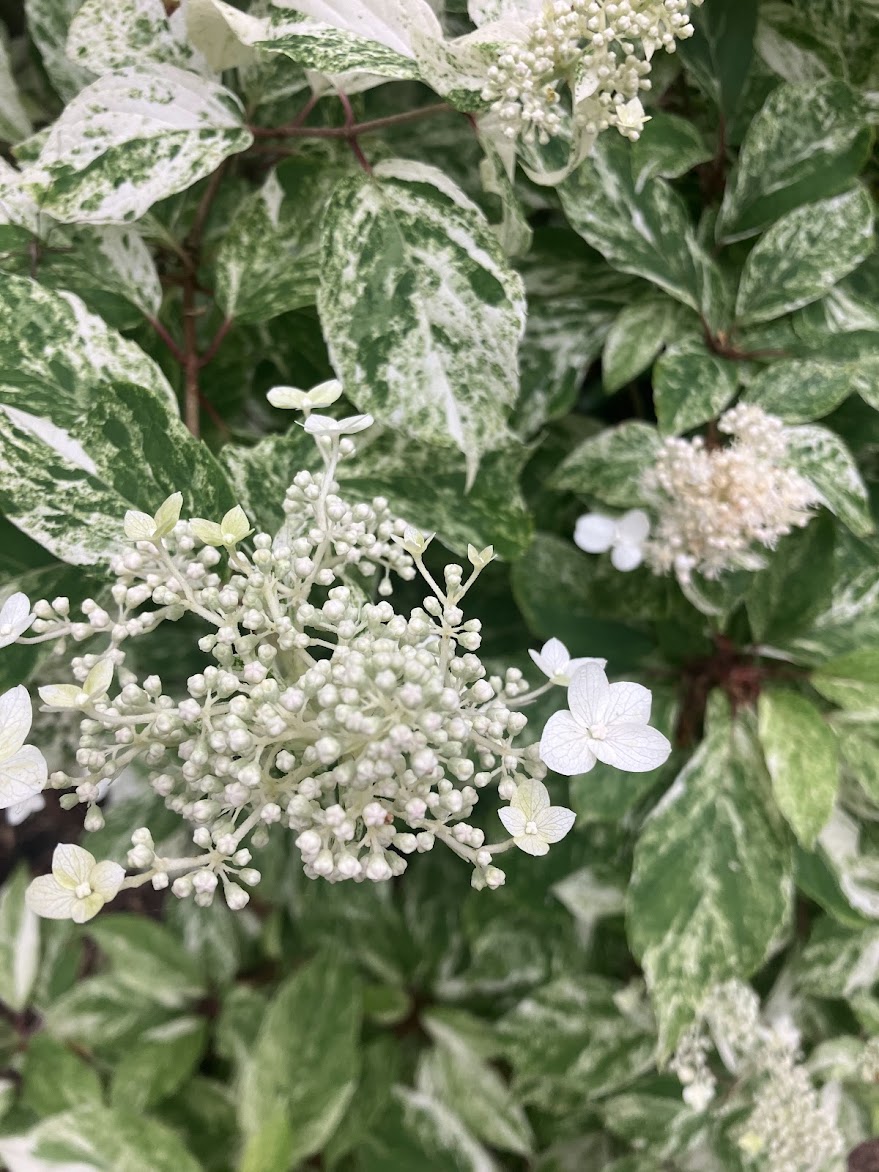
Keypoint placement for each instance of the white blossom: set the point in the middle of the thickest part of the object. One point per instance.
(94, 687)
(623, 536)
(555, 662)
(18, 813)
(608, 723)
(233, 528)
(78, 887)
(15, 618)
(294, 399)
(142, 527)
(23, 770)
(533, 823)
(323, 425)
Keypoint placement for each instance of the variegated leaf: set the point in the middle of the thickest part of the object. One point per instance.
(15, 123)
(610, 465)
(822, 457)
(691, 386)
(105, 36)
(48, 24)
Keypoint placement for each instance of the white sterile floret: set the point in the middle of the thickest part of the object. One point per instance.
(142, 527)
(78, 887)
(623, 536)
(233, 528)
(555, 662)
(23, 770)
(320, 425)
(608, 723)
(294, 399)
(533, 823)
(93, 688)
(15, 618)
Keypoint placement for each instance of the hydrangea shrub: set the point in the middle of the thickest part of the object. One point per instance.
(439, 622)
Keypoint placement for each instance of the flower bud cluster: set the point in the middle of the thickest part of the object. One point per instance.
(713, 505)
(600, 49)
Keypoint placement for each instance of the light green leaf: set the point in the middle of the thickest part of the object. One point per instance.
(304, 1064)
(636, 337)
(851, 681)
(838, 962)
(801, 390)
(158, 1064)
(669, 147)
(691, 386)
(210, 32)
(849, 620)
(820, 455)
(111, 1141)
(19, 942)
(269, 260)
(213, 936)
(14, 121)
(101, 1013)
(420, 1132)
(513, 230)
(146, 958)
(453, 1074)
(133, 137)
(719, 55)
(712, 881)
(54, 1078)
(645, 232)
(802, 757)
(48, 23)
(859, 746)
(807, 143)
(443, 369)
(804, 254)
(610, 465)
(103, 37)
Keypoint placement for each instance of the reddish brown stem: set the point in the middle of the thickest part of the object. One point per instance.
(354, 129)
(216, 342)
(167, 339)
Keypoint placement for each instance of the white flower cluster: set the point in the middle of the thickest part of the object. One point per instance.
(367, 733)
(592, 46)
(789, 1129)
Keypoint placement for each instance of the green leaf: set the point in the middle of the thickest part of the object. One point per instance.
(801, 390)
(569, 1042)
(203, 1113)
(669, 147)
(14, 121)
(820, 455)
(132, 32)
(269, 260)
(304, 1065)
(381, 1069)
(453, 1074)
(443, 368)
(213, 936)
(859, 746)
(636, 337)
(158, 1064)
(419, 1132)
(804, 254)
(851, 681)
(645, 232)
(712, 880)
(55, 1079)
(133, 137)
(807, 143)
(426, 486)
(110, 1141)
(838, 962)
(802, 757)
(796, 585)
(719, 55)
(145, 958)
(19, 942)
(610, 465)
(691, 386)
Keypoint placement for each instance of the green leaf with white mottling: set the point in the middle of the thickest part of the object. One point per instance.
(802, 757)
(160, 1062)
(424, 485)
(807, 143)
(634, 340)
(820, 455)
(269, 260)
(804, 254)
(691, 386)
(610, 465)
(48, 23)
(147, 959)
(105, 36)
(851, 681)
(420, 1132)
(111, 1141)
(849, 619)
(133, 137)
(837, 962)
(408, 244)
(712, 881)
(19, 942)
(859, 748)
(794, 588)
(801, 390)
(513, 231)
(645, 232)
(15, 123)
(719, 55)
(54, 1078)
(669, 147)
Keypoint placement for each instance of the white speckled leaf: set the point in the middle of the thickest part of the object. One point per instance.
(210, 32)
(110, 1140)
(691, 386)
(610, 465)
(636, 337)
(19, 943)
(801, 390)
(804, 254)
(822, 457)
(421, 311)
(838, 962)
(106, 36)
(48, 23)
(802, 758)
(712, 880)
(14, 121)
(133, 137)
(126, 263)
(806, 143)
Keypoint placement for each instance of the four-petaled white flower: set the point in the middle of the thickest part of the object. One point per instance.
(294, 399)
(233, 528)
(321, 425)
(631, 118)
(607, 722)
(142, 527)
(532, 821)
(15, 618)
(78, 887)
(556, 664)
(94, 687)
(623, 536)
(23, 769)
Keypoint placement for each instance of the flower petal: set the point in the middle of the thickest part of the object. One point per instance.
(627, 702)
(15, 618)
(322, 425)
(17, 813)
(71, 865)
(595, 533)
(22, 776)
(15, 720)
(588, 694)
(574, 665)
(553, 824)
(633, 528)
(86, 909)
(99, 679)
(324, 393)
(106, 878)
(531, 798)
(48, 898)
(564, 746)
(555, 655)
(288, 398)
(61, 695)
(625, 557)
(138, 526)
(532, 844)
(513, 820)
(635, 748)
(354, 423)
